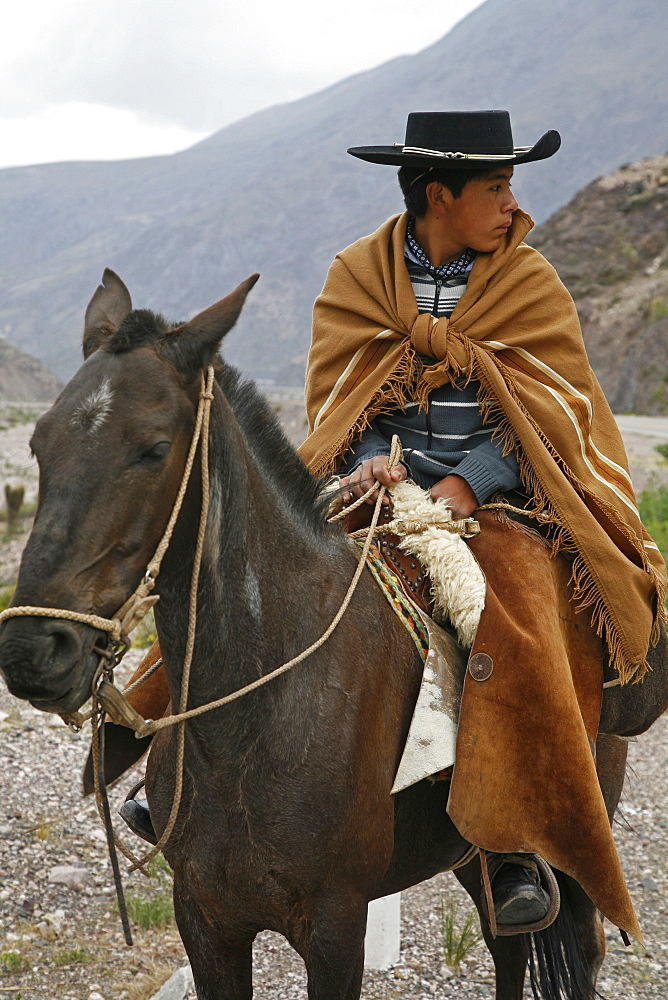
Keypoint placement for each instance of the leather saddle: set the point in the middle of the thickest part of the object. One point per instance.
(407, 568)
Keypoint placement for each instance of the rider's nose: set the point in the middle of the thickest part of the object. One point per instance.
(511, 204)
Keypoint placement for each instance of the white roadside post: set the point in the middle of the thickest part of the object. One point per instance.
(383, 933)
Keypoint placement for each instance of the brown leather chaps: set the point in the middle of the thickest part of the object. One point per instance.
(525, 776)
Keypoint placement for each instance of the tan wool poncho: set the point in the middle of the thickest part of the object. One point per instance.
(515, 330)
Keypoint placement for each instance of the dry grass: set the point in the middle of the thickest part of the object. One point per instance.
(147, 983)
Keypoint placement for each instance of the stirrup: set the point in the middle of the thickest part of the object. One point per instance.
(137, 815)
(548, 883)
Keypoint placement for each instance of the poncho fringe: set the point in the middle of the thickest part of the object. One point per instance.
(584, 583)
(395, 393)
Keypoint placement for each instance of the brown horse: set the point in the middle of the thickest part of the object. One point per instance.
(287, 821)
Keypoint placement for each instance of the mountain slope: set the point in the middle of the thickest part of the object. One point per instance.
(23, 377)
(610, 247)
(277, 193)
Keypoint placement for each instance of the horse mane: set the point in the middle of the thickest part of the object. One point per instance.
(259, 424)
(271, 448)
(141, 326)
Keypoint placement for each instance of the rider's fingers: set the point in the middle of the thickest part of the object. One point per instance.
(354, 484)
(362, 478)
(382, 472)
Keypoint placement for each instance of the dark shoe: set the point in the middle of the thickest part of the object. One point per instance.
(136, 814)
(518, 895)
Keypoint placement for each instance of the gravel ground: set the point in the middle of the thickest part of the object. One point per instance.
(64, 943)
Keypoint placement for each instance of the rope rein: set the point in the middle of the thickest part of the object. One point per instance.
(192, 619)
(150, 727)
(467, 527)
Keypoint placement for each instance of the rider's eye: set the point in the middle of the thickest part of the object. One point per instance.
(155, 452)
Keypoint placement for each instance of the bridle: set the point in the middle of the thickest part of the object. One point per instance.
(140, 602)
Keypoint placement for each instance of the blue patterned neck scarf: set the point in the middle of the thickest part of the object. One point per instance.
(452, 270)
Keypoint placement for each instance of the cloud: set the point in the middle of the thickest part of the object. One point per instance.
(80, 131)
(190, 65)
(198, 64)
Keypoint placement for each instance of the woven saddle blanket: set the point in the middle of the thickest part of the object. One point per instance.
(424, 547)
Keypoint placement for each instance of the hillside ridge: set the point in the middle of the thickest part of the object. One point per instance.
(23, 377)
(609, 245)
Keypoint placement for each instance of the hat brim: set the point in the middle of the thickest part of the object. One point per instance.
(547, 145)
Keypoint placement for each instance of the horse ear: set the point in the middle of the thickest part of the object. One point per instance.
(109, 306)
(193, 345)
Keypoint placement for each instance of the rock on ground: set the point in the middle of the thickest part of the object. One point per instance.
(177, 987)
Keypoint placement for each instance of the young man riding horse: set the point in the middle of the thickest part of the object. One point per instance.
(445, 328)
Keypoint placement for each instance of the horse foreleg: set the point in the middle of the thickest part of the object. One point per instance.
(222, 963)
(333, 947)
(509, 954)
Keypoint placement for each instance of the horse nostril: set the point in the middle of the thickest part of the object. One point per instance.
(65, 641)
(42, 660)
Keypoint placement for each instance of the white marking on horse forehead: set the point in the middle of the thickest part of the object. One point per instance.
(92, 411)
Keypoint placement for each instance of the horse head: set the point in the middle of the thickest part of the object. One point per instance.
(111, 453)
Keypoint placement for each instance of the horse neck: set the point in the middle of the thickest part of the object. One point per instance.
(258, 562)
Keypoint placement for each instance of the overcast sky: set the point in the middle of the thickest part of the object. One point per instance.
(92, 79)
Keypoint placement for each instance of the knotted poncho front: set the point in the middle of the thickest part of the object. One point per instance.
(516, 330)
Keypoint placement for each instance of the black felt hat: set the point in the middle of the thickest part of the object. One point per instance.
(457, 139)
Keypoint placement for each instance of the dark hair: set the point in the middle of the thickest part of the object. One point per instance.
(414, 180)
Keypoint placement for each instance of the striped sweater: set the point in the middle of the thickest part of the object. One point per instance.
(449, 435)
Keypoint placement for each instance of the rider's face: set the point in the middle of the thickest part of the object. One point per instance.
(483, 213)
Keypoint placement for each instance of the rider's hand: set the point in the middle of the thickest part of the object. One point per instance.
(360, 479)
(462, 499)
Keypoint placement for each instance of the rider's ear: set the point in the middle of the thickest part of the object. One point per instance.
(109, 306)
(193, 345)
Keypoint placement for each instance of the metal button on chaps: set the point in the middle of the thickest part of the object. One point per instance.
(481, 666)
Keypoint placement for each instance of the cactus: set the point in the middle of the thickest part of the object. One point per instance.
(14, 498)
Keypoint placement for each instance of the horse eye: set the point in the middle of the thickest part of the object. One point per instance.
(156, 451)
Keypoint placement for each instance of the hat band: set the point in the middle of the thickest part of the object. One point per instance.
(447, 155)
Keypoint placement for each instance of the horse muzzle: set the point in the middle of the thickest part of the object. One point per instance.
(49, 662)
